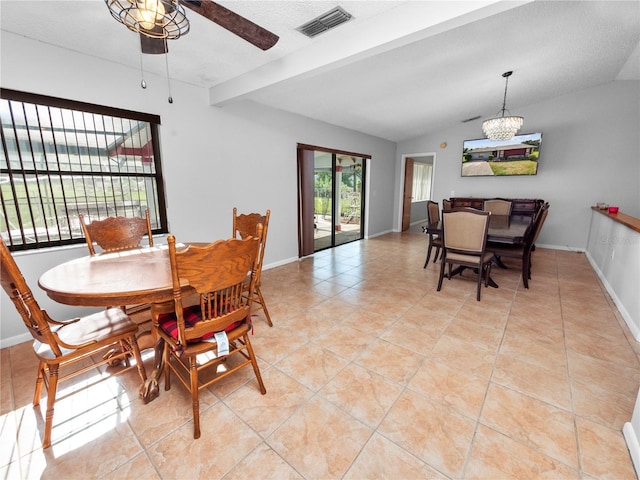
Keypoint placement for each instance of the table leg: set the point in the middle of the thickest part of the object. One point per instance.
(460, 268)
(150, 389)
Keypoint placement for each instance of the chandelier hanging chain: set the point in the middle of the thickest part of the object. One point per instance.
(506, 75)
(502, 127)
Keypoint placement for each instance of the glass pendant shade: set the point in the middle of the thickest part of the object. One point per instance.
(502, 128)
(153, 18)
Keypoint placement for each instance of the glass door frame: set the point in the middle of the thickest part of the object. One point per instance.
(306, 196)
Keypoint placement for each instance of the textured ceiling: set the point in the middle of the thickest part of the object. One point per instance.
(399, 69)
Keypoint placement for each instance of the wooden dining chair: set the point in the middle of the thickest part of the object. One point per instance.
(447, 204)
(195, 336)
(498, 206)
(68, 348)
(523, 251)
(433, 216)
(114, 234)
(245, 225)
(465, 240)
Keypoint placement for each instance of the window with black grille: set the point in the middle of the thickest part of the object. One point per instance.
(61, 158)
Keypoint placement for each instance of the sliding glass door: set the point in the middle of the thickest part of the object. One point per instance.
(332, 190)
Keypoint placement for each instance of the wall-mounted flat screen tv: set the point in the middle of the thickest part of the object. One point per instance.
(518, 156)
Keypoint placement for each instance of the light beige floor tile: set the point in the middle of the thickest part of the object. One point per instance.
(537, 424)
(312, 365)
(603, 451)
(454, 388)
(436, 434)
(263, 462)
(464, 356)
(225, 441)
(496, 456)
(384, 459)
(264, 413)
(551, 386)
(393, 362)
(362, 393)
(331, 440)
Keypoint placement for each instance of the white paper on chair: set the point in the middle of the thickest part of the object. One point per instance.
(223, 343)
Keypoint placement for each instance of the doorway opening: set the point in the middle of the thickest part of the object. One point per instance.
(331, 198)
(419, 175)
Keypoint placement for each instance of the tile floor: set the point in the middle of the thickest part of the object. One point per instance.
(370, 373)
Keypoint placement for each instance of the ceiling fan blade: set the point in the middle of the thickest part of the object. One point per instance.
(246, 29)
(153, 46)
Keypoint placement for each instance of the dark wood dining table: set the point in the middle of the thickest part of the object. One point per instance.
(509, 229)
(502, 228)
(128, 277)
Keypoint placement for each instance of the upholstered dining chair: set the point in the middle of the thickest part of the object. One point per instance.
(65, 349)
(447, 204)
(201, 336)
(433, 216)
(498, 206)
(116, 233)
(465, 240)
(245, 225)
(523, 251)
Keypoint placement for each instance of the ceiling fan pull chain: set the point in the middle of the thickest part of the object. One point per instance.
(143, 84)
(166, 59)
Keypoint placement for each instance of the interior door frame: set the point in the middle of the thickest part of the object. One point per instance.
(416, 158)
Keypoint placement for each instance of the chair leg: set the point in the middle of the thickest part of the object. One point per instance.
(166, 365)
(480, 272)
(51, 400)
(264, 305)
(438, 252)
(442, 267)
(426, 262)
(39, 383)
(254, 364)
(526, 271)
(193, 375)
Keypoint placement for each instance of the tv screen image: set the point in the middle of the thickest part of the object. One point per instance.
(518, 156)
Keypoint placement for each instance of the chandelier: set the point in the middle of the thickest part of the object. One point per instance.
(502, 128)
(152, 18)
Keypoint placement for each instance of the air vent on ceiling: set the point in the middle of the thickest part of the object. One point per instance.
(325, 22)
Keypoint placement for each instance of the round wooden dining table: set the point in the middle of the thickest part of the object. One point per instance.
(141, 275)
(129, 277)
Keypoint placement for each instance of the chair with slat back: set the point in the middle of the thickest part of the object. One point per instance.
(60, 344)
(433, 216)
(195, 335)
(116, 233)
(245, 225)
(523, 251)
(465, 240)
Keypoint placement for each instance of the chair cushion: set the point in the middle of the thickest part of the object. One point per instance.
(168, 322)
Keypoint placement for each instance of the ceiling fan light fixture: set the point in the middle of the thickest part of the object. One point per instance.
(152, 18)
(503, 127)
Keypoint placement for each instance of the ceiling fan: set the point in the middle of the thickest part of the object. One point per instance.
(231, 21)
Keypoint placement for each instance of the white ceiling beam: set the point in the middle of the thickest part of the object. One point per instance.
(411, 22)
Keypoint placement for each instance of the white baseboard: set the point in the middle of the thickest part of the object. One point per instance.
(632, 443)
(621, 308)
(11, 341)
